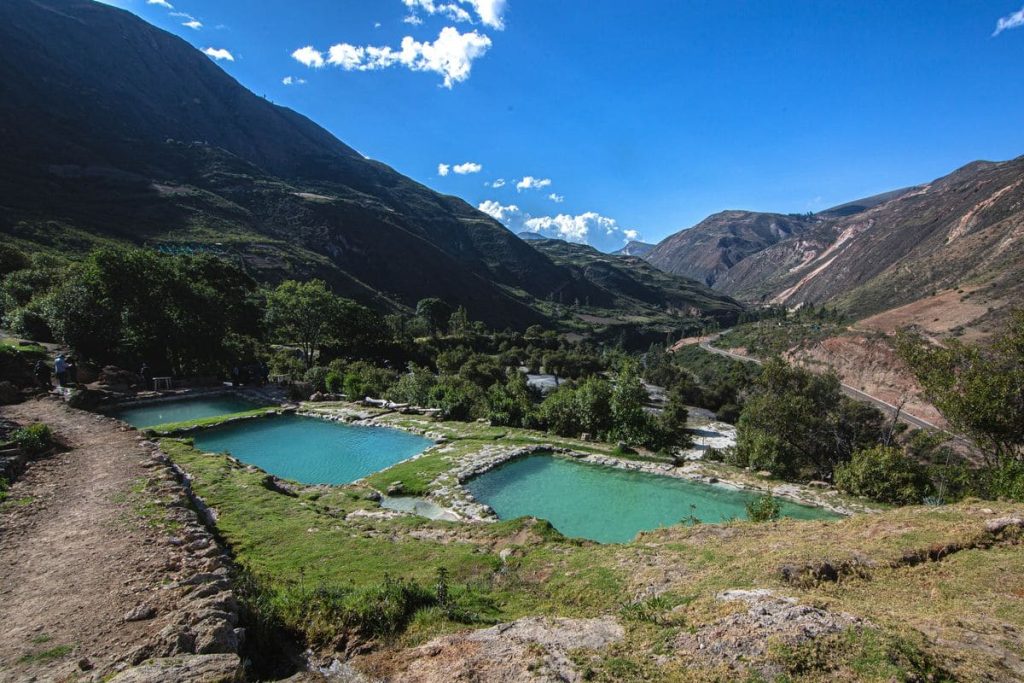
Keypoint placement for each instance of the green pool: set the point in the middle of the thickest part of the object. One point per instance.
(607, 504)
(310, 450)
(164, 412)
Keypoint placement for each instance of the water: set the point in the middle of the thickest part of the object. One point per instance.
(310, 450)
(607, 504)
(164, 412)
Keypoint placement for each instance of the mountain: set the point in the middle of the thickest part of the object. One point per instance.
(957, 242)
(114, 131)
(634, 248)
(628, 283)
(530, 236)
(708, 250)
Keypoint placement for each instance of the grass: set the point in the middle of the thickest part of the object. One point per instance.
(316, 571)
(44, 656)
(768, 338)
(171, 428)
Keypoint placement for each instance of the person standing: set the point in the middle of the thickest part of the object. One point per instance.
(60, 366)
(147, 376)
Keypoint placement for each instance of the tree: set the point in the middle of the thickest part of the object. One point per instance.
(798, 425)
(674, 417)
(435, 313)
(303, 313)
(511, 404)
(979, 391)
(458, 322)
(885, 474)
(632, 423)
(176, 312)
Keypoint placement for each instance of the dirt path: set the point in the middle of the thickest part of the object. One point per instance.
(77, 552)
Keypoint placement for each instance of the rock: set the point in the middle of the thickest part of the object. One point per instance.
(396, 488)
(316, 397)
(215, 668)
(740, 639)
(534, 648)
(85, 665)
(9, 393)
(85, 399)
(995, 526)
(373, 495)
(114, 376)
(819, 484)
(140, 613)
(764, 473)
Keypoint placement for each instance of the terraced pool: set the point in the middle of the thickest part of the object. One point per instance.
(310, 450)
(610, 505)
(164, 412)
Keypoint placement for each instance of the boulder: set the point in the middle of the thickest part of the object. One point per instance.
(113, 376)
(9, 393)
(140, 613)
(396, 488)
(214, 668)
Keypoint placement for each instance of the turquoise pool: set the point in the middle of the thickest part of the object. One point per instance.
(310, 450)
(606, 504)
(163, 412)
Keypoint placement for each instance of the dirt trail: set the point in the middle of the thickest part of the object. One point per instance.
(76, 554)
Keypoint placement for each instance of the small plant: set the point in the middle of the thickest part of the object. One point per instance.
(34, 439)
(763, 509)
(4, 486)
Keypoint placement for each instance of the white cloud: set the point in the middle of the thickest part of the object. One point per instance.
(194, 24)
(489, 12)
(309, 57)
(631, 235)
(219, 53)
(1014, 20)
(289, 80)
(556, 198)
(451, 55)
(467, 168)
(412, 20)
(500, 182)
(581, 228)
(498, 212)
(161, 3)
(442, 169)
(529, 182)
(376, 24)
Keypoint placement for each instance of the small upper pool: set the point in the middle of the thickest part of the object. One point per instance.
(310, 450)
(610, 505)
(164, 412)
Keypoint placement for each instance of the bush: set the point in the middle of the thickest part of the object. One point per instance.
(885, 474)
(285, 362)
(763, 509)
(29, 322)
(316, 376)
(34, 439)
(335, 382)
(458, 398)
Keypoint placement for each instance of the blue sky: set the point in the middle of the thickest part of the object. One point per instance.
(642, 116)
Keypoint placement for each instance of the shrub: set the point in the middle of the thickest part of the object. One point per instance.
(763, 509)
(458, 398)
(34, 438)
(335, 382)
(316, 376)
(285, 362)
(885, 474)
(30, 322)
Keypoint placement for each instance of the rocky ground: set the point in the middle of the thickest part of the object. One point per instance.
(105, 566)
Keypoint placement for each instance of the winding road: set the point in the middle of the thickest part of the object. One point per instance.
(856, 394)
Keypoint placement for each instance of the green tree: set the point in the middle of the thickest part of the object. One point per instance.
(673, 419)
(414, 386)
(632, 423)
(885, 474)
(457, 398)
(435, 313)
(511, 404)
(980, 391)
(303, 313)
(798, 425)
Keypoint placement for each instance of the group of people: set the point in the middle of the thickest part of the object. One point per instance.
(64, 367)
(257, 373)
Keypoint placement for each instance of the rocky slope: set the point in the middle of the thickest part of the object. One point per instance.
(711, 248)
(963, 232)
(634, 248)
